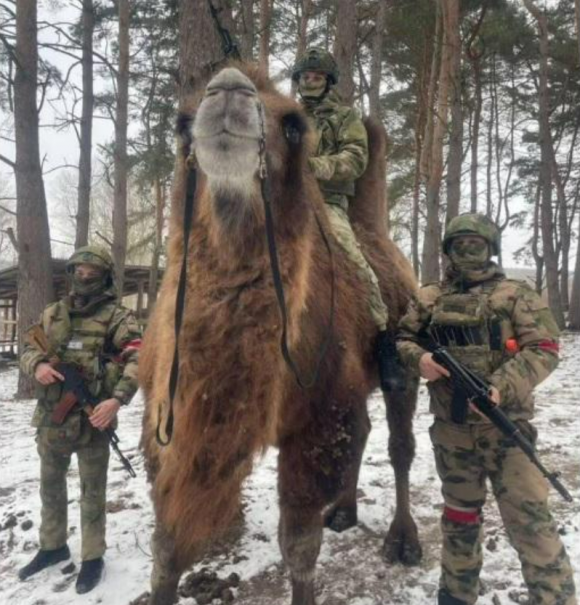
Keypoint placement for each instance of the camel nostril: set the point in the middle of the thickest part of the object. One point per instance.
(231, 79)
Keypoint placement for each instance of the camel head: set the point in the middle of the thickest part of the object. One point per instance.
(227, 130)
(241, 121)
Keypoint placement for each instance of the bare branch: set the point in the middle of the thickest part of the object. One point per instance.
(12, 237)
(105, 239)
(7, 161)
(8, 209)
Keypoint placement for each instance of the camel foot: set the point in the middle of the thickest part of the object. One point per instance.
(341, 518)
(402, 544)
(303, 592)
(164, 594)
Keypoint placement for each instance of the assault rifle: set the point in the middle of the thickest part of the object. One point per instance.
(74, 391)
(476, 391)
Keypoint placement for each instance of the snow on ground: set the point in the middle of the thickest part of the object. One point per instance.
(350, 569)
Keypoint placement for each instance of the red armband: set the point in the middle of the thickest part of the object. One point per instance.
(549, 345)
(132, 345)
(463, 517)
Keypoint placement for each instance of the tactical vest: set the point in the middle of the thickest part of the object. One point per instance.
(328, 125)
(81, 340)
(467, 325)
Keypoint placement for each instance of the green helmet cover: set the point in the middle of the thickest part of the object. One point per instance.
(91, 255)
(473, 224)
(316, 58)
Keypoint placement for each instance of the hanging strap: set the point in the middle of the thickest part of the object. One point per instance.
(279, 289)
(179, 308)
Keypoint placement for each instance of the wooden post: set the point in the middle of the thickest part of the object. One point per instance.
(14, 326)
(140, 290)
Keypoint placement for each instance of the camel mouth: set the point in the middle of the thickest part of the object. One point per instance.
(226, 133)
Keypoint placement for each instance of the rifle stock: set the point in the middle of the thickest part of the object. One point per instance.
(477, 392)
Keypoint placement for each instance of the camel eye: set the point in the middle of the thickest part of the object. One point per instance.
(211, 92)
(294, 126)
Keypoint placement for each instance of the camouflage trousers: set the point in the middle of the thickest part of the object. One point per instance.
(345, 236)
(55, 448)
(465, 456)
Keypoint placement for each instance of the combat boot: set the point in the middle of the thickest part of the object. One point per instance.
(89, 575)
(43, 559)
(444, 598)
(391, 373)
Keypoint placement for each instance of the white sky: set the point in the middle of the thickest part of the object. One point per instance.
(60, 148)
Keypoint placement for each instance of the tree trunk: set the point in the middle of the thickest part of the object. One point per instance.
(247, 30)
(538, 258)
(376, 61)
(432, 240)
(265, 22)
(546, 149)
(475, 134)
(199, 53)
(453, 43)
(159, 194)
(420, 125)
(35, 289)
(577, 20)
(490, 128)
(86, 129)
(199, 48)
(302, 35)
(120, 154)
(345, 47)
(574, 314)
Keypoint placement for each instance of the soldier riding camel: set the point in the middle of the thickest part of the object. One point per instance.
(340, 158)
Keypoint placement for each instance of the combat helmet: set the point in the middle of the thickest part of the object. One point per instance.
(93, 255)
(316, 58)
(473, 224)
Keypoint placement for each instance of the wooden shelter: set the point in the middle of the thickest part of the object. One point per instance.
(135, 290)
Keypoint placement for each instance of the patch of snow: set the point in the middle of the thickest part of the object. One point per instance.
(350, 569)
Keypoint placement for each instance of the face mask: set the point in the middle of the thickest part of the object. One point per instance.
(469, 255)
(311, 90)
(88, 286)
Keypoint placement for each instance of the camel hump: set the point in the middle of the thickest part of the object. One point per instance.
(368, 208)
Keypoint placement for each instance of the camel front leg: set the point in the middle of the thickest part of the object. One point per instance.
(300, 537)
(402, 541)
(165, 574)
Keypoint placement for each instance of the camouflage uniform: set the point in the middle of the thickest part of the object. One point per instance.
(340, 158)
(102, 338)
(475, 318)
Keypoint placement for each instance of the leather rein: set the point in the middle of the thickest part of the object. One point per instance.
(265, 190)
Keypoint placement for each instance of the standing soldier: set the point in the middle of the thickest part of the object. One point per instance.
(340, 158)
(90, 329)
(501, 330)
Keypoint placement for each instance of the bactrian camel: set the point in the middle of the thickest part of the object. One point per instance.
(236, 396)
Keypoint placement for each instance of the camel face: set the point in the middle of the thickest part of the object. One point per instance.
(227, 132)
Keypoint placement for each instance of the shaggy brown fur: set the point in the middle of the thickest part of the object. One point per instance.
(236, 396)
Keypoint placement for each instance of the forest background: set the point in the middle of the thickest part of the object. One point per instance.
(480, 100)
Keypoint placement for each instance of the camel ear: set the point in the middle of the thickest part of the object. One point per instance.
(294, 126)
(183, 128)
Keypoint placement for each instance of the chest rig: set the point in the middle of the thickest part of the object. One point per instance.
(80, 340)
(466, 324)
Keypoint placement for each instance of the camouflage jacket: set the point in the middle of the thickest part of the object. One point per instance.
(103, 343)
(341, 146)
(521, 354)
